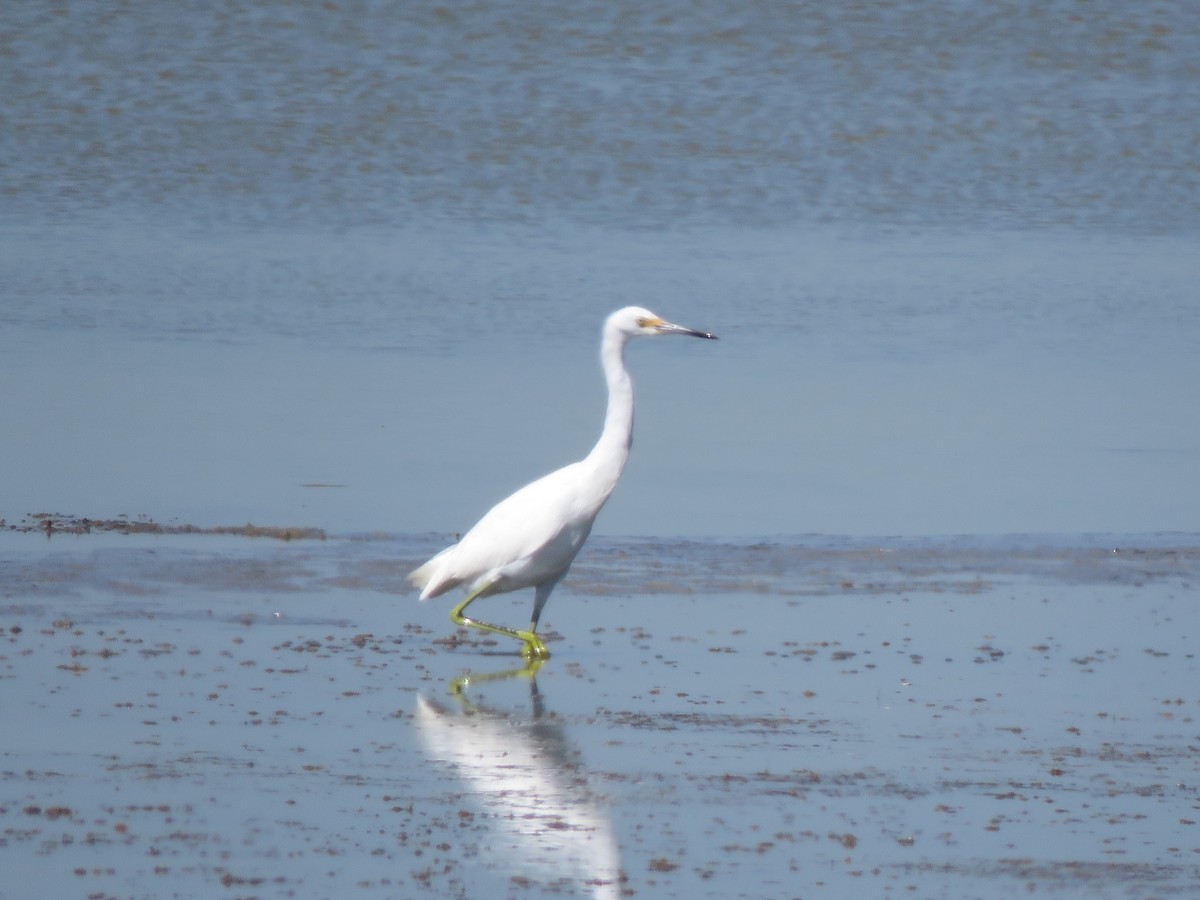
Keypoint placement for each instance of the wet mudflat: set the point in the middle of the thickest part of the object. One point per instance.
(232, 715)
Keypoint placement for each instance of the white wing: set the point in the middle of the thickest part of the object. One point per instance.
(523, 540)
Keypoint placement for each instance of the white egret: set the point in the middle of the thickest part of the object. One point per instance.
(541, 820)
(531, 538)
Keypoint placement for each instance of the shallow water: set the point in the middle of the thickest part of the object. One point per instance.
(335, 115)
(342, 266)
(1050, 399)
(950, 717)
(245, 250)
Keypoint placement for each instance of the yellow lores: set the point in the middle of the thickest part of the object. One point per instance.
(531, 538)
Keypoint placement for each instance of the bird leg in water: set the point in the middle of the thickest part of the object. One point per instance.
(459, 685)
(533, 649)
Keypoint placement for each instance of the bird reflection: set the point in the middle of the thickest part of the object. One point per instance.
(543, 823)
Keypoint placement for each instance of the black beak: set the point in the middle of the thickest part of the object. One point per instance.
(668, 328)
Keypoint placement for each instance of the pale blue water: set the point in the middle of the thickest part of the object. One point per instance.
(344, 264)
(950, 250)
(331, 116)
(923, 717)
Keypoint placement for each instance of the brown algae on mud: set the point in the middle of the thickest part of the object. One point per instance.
(930, 718)
(56, 523)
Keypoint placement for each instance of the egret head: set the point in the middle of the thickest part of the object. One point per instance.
(634, 321)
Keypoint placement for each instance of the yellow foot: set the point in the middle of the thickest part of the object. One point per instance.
(459, 685)
(534, 648)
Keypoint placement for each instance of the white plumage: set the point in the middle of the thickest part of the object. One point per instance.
(531, 538)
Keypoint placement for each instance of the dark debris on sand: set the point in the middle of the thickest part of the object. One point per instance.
(56, 523)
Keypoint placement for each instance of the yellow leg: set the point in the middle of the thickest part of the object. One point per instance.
(533, 649)
(462, 682)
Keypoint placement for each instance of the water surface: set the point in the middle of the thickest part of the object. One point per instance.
(941, 717)
(950, 251)
(342, 266)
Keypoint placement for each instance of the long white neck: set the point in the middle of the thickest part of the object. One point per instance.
(609, 455)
